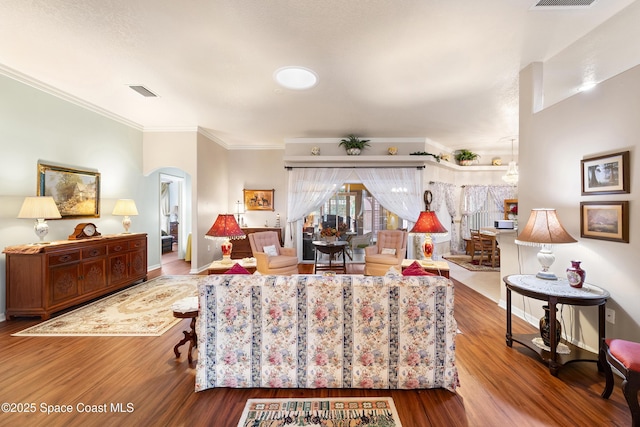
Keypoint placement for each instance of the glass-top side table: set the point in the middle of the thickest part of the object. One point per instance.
(556, 292)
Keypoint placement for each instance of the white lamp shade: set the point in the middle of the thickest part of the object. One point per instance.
(39, 207)
(125, 207)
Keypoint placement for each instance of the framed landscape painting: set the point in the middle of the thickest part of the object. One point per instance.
(258, 200)
(76, 192)
(605, 174)
(605, 221)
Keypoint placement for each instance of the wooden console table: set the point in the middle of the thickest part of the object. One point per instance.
(556, 292)
(44, 279)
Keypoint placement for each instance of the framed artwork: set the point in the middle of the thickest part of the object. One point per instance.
(258, 200)
(76, 192)
(605, 221)
(606, 174)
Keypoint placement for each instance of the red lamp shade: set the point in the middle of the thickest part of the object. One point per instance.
(225, 227)
(428, 223)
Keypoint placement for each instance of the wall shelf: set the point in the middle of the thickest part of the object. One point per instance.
(364, 161)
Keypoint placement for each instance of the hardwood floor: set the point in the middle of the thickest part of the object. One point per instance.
(499, 385)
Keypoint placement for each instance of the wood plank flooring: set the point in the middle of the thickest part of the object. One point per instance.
(500, 386)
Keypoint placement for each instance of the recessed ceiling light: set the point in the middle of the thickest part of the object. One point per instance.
(296, 78)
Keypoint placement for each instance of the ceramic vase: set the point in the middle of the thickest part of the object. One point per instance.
(576, 275)
(545, 329)
(353, 151)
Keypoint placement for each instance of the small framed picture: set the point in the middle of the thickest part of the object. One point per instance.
(258, 200)
(605, 221)
(606, 174)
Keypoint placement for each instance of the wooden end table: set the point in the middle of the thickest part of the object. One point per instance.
(189, 336)
(219, 267)
(556, 292)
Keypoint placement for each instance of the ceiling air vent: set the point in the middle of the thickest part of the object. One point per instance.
(563, 3)
(143, 91)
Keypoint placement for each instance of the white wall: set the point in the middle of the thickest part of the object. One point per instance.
(36, 126)
(552, 144)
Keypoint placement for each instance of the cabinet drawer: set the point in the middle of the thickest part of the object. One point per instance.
(137, 244)
(63, 257)
(94, 252)
(118, 247)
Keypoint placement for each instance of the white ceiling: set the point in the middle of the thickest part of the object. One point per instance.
(443, 70)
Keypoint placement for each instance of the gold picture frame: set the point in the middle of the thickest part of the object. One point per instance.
(605, 221)
(76, 192)
(258, 200)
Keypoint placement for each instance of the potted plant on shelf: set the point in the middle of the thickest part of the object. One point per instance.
(354, 145)
(466, 157)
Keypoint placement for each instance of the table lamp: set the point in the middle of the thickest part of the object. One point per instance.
(428, 224)
(40, 208)
(125, 207)
(544, 229)
(225, 227)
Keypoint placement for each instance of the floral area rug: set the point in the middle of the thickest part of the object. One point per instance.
(141, 310)
(346, 411)
(464, 261)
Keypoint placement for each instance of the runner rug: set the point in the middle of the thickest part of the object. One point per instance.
(337, 412)
(464, 261)
(141, 310)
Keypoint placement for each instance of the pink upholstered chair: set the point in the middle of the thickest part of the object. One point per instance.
(389, 251)
(282, 261)
(625, 357)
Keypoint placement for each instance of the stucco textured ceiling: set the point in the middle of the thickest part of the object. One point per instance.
(439, 69)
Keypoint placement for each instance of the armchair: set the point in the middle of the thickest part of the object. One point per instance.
(285, 260)
(389, 251)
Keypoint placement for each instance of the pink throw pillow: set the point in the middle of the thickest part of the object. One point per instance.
(237, 269)
(415, 269)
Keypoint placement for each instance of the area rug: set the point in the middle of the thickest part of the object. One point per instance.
(346, 411)
(464, 261)
(141, 310)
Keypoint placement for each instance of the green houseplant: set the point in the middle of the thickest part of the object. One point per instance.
(354, 144)
(466, 157)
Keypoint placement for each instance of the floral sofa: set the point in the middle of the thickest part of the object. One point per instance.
(313, 331)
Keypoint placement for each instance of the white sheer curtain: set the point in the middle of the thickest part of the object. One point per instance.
(309, 188)
(164, 203)
(500, 193)
(473, 199)
(398, 190)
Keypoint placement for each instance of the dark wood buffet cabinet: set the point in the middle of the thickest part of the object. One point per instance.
(44, 279)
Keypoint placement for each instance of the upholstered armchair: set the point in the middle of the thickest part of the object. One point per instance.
(270, 257)
(389, 251)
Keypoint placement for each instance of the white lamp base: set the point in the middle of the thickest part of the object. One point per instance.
(41, 229)
(126, 223)
(546, 259)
